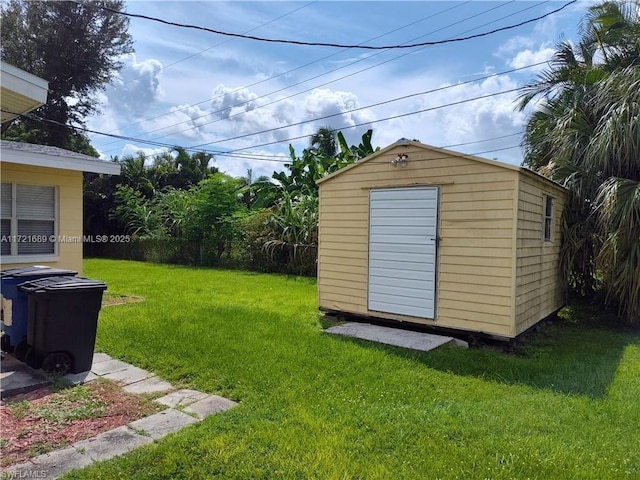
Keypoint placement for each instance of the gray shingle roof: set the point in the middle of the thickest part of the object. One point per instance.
(45, 150)
(54, 157)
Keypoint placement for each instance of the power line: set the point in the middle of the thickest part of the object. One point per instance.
(164, 67)
(501, 149)
(238, 154)
(301, 67)
(199, 147)
(326, 73)
(322, 44)
(404, 45)
(393, 117)
(170, 146)
(485, 140)
(325, 117)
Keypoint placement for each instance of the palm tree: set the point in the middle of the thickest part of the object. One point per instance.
(586, 134)
(615, 151)
(324, 142)
(133, 172)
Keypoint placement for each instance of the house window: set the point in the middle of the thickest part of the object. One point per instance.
(28, 219)
(548, 217)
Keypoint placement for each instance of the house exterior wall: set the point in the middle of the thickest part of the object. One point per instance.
(539, 284)
(476, 251)
(69, 211)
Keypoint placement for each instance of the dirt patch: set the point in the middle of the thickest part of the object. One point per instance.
(43, 420)
(110, 299)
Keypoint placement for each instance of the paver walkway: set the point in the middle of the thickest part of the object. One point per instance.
(185, 408)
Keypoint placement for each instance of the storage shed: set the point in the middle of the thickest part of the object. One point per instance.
(419, 234)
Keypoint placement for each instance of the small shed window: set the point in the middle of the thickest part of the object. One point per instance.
(548, 217)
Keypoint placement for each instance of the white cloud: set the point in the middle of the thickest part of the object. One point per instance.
(136, 87)
(530, 57)
(478, 120)
(322, 102)
(514, 45)
(245, 112)
(519, 52)
(133, 150)
(261, 163)
(226, 102)
(186, 121)
(240, 111)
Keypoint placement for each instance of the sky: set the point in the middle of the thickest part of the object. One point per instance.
(245, 100)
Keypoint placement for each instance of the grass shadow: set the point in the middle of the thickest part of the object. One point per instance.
(569, 357)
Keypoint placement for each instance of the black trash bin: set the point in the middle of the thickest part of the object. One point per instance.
(14, 305)
(62, 322)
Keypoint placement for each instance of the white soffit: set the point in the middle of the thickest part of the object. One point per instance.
(21, 91)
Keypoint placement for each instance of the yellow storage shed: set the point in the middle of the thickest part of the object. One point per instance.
(428, 236)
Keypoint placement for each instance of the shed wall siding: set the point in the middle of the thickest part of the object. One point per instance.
(539, 286)
(475, 252)
(69, 185)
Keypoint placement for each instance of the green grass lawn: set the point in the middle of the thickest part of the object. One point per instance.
(319, 406)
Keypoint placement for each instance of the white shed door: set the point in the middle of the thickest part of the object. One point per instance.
(402, 250)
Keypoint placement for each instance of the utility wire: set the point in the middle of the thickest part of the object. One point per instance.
(460, 154)
(199, 147)
(231, 153)
(164, 67)
(322, 44)
(169, 146)
(393, 117)
(484, 140)
(323, 74)
(457, 5)
(325, 117)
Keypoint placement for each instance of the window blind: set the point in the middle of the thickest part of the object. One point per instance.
(35, 202)
(6, 200)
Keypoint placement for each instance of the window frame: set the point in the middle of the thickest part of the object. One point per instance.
(14, 256)
(547, 218)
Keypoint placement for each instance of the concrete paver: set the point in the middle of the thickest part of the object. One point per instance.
(82, 377)
(108, 366)
(129, 375)
(181, 397)
(100, 357)
(160, 424)
(50, 465)
(391, 336)
(17, 377)
(9, 363)
(122, 439)
(210, 405)
(111, 444)
(149, 385)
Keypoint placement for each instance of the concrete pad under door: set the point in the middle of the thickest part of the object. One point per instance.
(420, 341)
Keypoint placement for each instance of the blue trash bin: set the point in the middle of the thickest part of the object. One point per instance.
(14, 305)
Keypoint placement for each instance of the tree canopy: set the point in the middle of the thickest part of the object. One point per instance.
(75, 47)
(176, 204)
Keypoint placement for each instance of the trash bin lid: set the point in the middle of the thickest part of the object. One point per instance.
(36, 270)
(61, 284)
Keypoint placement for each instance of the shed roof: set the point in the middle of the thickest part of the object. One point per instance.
(415, 143)
(54, 157)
